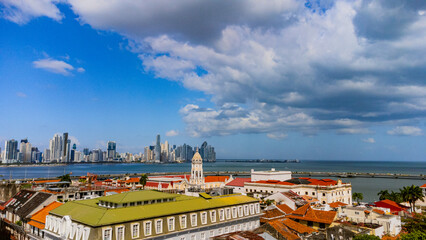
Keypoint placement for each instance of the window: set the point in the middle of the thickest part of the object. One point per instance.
(226, 230)
(306, 193)
(246, 210)
(107, 235)
(213, 216)
(171, 224)
(211, 233)
(228, 213)
(322, 225)
(232, 228)
(257, 208)
(135, 230)
(234, 212)
(239, 227)
(132, 204)
(193, 237)
(203, 236)
(221, 214)
(120, 232)
(356, 213)
(219, 231)
(194, 219)
(158, 226)
(183, 221)
(182, 238)
(313, 193)
(310, 224)
(251, 208)
(124, 204)
(240, 211)
(148, 228)
(204, 218)
(323, 194)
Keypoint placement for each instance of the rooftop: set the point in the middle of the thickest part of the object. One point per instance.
(238, 182)
(88, 212)
(39, 218)
(309, 214)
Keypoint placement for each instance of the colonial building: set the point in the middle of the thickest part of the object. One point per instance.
(152, 215)
(325, 190)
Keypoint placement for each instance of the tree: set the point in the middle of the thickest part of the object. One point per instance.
(65, 178)
(411, 194)
(416, 223)
(383, 194)
(416, 235)
(366, 237)
(395, 196)
(143, 180)
(357, 197)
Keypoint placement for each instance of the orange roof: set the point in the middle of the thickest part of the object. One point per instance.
(337, 204)
(45, 181)
(36, 224)
(309, 199)
(269, 214)
(51, 192)
(378, 211)
(308, 214)
(295, 226)
(238, 182)
(283, 230)
(216, 178)
(39, 218)
(133, 180)
(285, 208)
(423, 186)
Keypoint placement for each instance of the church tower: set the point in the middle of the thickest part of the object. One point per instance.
(197, 176)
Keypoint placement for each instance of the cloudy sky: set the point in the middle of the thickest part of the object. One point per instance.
(256, 79)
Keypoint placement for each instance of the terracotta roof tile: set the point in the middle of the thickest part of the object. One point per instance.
(238, 182)
(216, 178)
(283, 230)
(295, 226)
(39, 218)
(378, 211)
(271, 214)
(285, 208)
(423, 186)
(337, 204)
(307, 213)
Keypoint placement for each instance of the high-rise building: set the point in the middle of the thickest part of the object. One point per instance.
(207, 152)
(157, 153)
(25, 151)
(65, 148)
(86, 151)
(55, 146)
(46, 155)
(11, 151)
(111, 150)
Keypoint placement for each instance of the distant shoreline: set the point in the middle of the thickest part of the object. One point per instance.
(76, 163)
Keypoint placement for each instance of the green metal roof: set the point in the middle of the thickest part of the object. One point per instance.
(89, 213)
(128, 197)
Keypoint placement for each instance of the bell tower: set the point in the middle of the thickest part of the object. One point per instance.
(197, 175)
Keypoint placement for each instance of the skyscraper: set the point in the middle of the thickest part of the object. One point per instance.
(55, 146)
(11, 151)
(25, 150)
(157, 150)
(65, 148)
(111, 150)
(207, 152)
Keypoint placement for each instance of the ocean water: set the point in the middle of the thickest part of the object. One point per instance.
(368, 186)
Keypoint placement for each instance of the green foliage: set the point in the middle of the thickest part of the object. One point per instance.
(417, 223)
(357, 197)
(143, 180)
(417, 235)
(411, 194)
(19, 223)
(366, 237)
(26, 186)
(65, 178)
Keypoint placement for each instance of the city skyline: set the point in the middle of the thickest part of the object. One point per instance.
(291, 79)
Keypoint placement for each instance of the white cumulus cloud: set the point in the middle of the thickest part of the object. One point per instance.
(22, 11)
(56, 66)
(369, 140)
(406, 131)
(172, 133)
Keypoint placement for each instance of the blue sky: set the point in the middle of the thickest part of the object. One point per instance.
(282, 79)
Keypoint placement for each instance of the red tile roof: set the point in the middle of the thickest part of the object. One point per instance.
(378, 211)
(216, 178)
(39, 218)
(295, 226)
(308, 214)
(312, 181)
(285, 208)
(45, 181)
(337, 204)
(283, 230)
(271, 214)
(393, 206)
(238, 182)
(133, 180)
(423, 186)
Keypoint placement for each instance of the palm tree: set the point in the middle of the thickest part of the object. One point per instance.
(143, 180)
(383, 194)
(395, 196)
(357, 196)
(411, 194)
